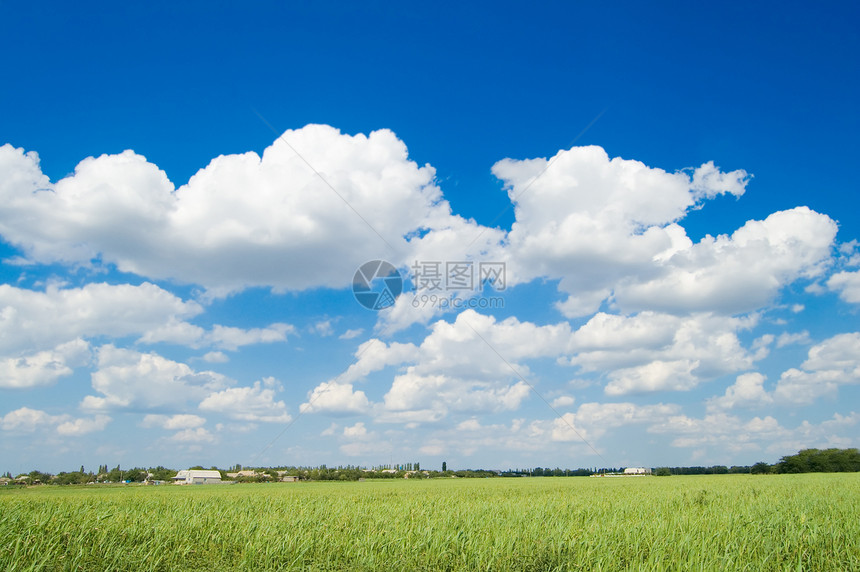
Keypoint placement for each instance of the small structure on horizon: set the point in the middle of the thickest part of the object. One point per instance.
(637, 471)
(197, 477)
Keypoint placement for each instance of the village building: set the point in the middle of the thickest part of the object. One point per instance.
(197, 477)
(637, 471)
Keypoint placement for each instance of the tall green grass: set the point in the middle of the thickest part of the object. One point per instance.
(736, 522)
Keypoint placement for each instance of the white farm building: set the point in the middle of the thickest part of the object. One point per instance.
(637, 471)
(196, 477)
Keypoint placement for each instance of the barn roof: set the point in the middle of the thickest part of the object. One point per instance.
(204, 473)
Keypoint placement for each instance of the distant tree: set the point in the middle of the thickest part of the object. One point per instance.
(760, 468)
(39, 476)
(818, 461)
(160, 473)
(74, 478)
(662, 472)
(444, 466)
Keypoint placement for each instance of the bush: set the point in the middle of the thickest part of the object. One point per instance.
(760, 468)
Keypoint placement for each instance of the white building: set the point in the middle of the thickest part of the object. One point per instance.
(637, 471)
(196, 477)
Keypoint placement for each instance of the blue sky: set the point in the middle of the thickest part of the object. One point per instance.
(187, 192)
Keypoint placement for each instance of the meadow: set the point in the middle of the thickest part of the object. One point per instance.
(729, 522)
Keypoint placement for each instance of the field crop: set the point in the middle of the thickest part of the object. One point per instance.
(735, 522)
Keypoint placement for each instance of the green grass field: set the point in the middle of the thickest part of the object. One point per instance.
(737, 522)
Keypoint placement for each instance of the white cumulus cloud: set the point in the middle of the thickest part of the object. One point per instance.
(131, 379)
(28, 420)
(257, 403)
(45, 367)
(833, 362)
(747, 391)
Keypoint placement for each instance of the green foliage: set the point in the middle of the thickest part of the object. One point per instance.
(39, 477)
(76, 478)
(662, 472)
(808, 522)
(818, 461)
(160, 473)
(761, 468)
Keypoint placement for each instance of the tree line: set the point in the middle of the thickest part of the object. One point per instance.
(814, 461)
(804, 461)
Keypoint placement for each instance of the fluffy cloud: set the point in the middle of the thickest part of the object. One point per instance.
(651, 351)
(657, 375)
(593, 420)
(335, 398)
(232, 338)
(130, 379)
(27, 420)
(57, 320)
(563, 401)
(83, 426)
(188, 429)
(821, 435)
(255, 403)
(374, 355)
(357, 440)
(235, 218)
(607, 228)
(215, 357)
(31, 319)
(847, 284)
(786, 339)
(730, 433)
(736, 273)
(456, 368)
(720, 429)
(474, 362)
(357, 431)
(198, 435)
(322, 328)
(173, 422)
(224, 337)
(431, 397)
(747, 391)
(591, 220)
(833, 362)
(572, 433)
(350, 334)
(43, 368)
